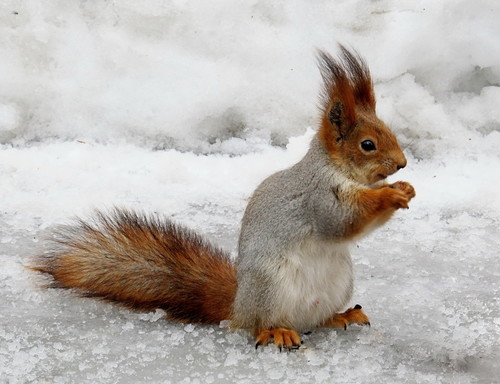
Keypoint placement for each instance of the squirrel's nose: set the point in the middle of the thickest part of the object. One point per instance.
(401, 163)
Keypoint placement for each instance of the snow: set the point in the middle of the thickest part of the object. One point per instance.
(182, 109)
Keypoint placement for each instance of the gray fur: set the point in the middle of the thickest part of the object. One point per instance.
(289, 207)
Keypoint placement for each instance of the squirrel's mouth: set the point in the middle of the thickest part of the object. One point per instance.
(381, 176)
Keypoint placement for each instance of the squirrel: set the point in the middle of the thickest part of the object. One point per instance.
(293, 271)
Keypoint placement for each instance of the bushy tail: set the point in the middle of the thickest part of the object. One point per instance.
(143, 263)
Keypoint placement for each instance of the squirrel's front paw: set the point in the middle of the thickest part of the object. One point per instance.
(398, 195)
(405, 187)
(403, 192)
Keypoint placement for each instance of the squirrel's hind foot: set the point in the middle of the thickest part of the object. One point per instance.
(351, 316)
(283, 338)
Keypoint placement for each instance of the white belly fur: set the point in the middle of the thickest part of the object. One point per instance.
(315, 282)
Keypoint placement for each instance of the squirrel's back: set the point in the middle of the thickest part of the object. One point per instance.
(143, 263)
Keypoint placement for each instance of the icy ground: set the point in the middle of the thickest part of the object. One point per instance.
(182, 110)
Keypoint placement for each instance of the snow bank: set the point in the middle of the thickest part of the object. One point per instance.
(193, 77)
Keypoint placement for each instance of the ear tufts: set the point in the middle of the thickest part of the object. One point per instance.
(346, 80)
(360, 77)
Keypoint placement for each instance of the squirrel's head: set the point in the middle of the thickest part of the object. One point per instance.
(356, 139)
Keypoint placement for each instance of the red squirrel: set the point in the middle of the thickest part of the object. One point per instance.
(293, 271)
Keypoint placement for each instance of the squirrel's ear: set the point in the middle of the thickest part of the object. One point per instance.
(338, 121)
(335, 114)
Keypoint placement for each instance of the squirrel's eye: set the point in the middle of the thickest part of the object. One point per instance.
(368, 146)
